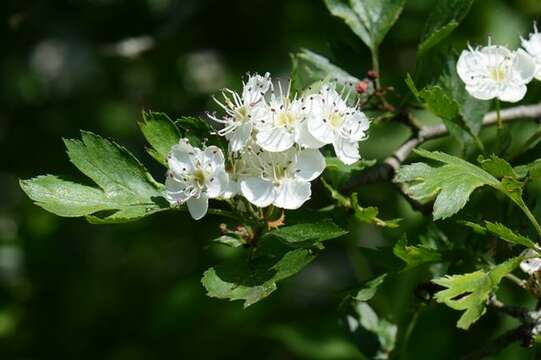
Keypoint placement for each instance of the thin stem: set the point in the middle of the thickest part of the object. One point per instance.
(375, 66)
(409, 331)
(532, 219)
(521, 283)
(498, 115)
(526, 146)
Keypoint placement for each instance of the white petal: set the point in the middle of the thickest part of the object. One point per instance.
(231, 188)
(216, 184)
(320, 129)
(347, 151)
(275, 140)
(513, 93)
(239, 137)
(198, 206)
(484, 92)
(466, 65)
(531, 266)
(174, 190)
(181, 157)
(304, 138)
(524, 66)
(309, 165)
(214, 157)
(254, 87)
(257, 191)
(355, 126)
(291, 194)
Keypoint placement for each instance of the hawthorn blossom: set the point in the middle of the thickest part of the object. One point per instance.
(496, 72)
(332, 121)
(284, 124)
(195, 176)
(242, 110)
(532, 264)
(533, 47)
(281, 178)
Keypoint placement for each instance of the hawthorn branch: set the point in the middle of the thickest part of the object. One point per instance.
(386, 170)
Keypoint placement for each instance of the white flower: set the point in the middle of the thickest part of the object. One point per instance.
(194, 176)
(533, 47)
(281, 178)
(242, 110)
(284, 124)
(332, 121)
(496, 72)
(531, 265)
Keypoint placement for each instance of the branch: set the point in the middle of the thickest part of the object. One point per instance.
(520, 333)
(386, 170)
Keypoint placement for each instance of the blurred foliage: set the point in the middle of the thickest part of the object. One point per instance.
(69, 289)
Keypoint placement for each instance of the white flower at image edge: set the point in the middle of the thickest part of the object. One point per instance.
(282, 179)
(242, 110)
(284, 125)
(332, 121)
(533, 46)
(195, 176)
(496, 72)
(531, 265)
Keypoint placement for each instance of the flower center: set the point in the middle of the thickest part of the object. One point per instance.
(199, 177)
(241, 114)
(497, 74)
(286, 118)
(336, 119)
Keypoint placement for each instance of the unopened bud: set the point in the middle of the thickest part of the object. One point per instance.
(361, 87)
(372, 74)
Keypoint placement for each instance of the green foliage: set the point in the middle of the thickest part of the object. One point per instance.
(470, 292)
(415, 256)
(369, 289)
(443, 20)
(160, 132)
(368, 19)
(370, 214)
(302, 235)
(126, 190)
(253, 279)
(503, 232)
(497, 167)
(451, 184)
(310, 68)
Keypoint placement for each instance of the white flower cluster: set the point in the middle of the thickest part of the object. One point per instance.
(494, 71)
(273, 147)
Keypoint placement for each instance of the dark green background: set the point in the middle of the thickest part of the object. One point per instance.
(71, 290)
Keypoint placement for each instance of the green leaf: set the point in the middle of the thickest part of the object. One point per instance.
(504, 233)
(369, 289)
(229, 240)
(365, 318)
(451, 184)
(251, 280)
(531, 171)
(302, 235)
(311, 68)
(497, 167)
(338, 173)
(197, 131)
(470, 292)
(415, 256)
(368, 19)
(126, 190)
(161, 133)
(370, 214)
(443, 20)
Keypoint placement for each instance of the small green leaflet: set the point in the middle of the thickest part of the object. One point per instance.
(368, 19)
(251, 280)
(302, 235)
(497, 167)
(443, 20)
(470, 292)
(310, 68)
(126, 190)
(415, 256)
(369, 289)
(531, 171)
(451, 184)
(365, 321)
(503, 232)
(160, 132)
